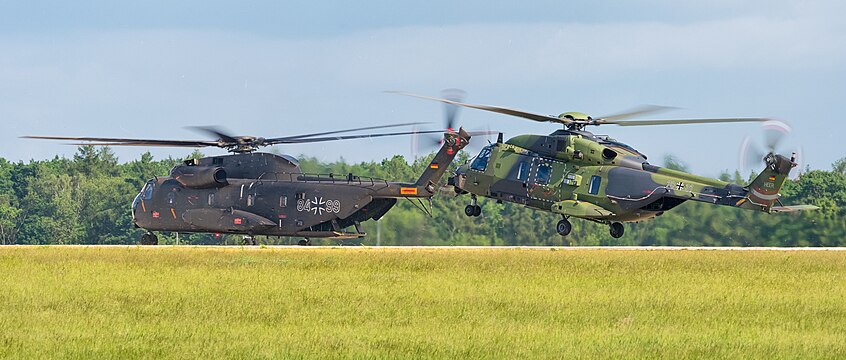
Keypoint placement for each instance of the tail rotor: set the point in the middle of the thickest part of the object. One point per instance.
(426, 143)
(773, 139)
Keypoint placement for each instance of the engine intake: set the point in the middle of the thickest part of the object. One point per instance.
(199, 177)
(609, 154)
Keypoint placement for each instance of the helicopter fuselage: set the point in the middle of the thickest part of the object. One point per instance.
(578, 174)
(575, 173)
(286, 204)
(267, 194)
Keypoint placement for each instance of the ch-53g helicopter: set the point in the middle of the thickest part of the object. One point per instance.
(254, 193)
(575, 173)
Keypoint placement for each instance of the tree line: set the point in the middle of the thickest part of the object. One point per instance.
(86, 200)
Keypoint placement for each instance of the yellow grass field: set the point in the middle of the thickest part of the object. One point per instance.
(183, 302)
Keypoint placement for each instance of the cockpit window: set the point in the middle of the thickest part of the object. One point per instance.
(481, 161)
(148, 191)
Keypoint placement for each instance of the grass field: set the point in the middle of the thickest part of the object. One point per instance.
(439, 303)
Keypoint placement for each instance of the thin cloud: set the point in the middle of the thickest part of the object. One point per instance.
(151, 83)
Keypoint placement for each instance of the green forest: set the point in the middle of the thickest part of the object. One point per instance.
(86, 200)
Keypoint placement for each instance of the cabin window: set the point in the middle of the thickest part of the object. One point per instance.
(523, 171)
(283, 201)
(595, 182)
(544, 173)
(211, 199)
(481, 161)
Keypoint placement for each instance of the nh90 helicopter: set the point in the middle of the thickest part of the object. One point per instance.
(253, 193)
(577, 174)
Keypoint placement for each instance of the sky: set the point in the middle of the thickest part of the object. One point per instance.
(274, 68)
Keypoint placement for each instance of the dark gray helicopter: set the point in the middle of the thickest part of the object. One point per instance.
(254, 193)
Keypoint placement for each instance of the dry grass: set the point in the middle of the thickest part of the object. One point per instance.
(377, 303)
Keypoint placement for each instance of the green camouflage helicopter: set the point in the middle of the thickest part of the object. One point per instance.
(574, 173)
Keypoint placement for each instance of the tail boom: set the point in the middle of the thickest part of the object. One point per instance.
(427, 184)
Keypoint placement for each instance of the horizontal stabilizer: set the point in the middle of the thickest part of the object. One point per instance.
(331, 234)
(794, 208)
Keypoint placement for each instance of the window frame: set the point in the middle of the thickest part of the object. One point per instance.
(546, 178)
(523, 170)
(594, 184)
(484, 156)
(147, 192)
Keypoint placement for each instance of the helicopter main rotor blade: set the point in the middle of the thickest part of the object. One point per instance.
(294, 137)
(451, 110)
(483, 132)
(638, 111)
(348, 137)
(162, 144)
(128, 142)
(682, 121)
(211, 130)
(496, 109)
(198, 143)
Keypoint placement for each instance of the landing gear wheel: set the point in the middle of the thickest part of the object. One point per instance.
(617, 230)
(473, 209)
(304, 242)
(149, 239)
(249, 240)
(564, 227)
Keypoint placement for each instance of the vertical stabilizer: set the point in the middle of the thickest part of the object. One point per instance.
(453, 143)
(764, 190)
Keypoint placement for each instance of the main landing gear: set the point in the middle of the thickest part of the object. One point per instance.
(617, 230)
(473, 209)
(304, 242)
(249, 240)
(149, 239)
(564, 227)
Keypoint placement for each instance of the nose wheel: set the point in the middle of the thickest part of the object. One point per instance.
(564, 227)
(617, 230)
(473, 209)
(149, 239)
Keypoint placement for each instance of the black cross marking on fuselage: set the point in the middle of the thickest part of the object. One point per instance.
(680, 185)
